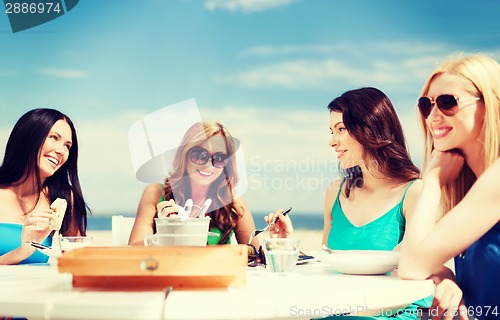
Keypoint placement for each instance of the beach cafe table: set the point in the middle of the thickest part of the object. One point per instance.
(313, 290)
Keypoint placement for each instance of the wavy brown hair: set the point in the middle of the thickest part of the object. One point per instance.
(371, 119)
(225, 216)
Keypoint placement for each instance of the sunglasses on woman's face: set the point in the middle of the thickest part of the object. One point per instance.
(200, 156)
(446, 103)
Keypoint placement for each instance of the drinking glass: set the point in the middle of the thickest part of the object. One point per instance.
(281, 254)
(70, 243)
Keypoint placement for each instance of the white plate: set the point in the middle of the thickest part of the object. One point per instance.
(360, 261)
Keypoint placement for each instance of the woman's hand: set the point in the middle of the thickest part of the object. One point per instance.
(166, 208)
(283, 228)
(444, 165)
(36, 229)
(447, 300)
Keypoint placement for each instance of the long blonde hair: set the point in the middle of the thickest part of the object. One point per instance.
(225, 216)
(483, 75)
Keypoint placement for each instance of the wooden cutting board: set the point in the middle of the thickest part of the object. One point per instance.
(156, 268)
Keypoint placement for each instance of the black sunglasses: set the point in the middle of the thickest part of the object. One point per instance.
(200, 156)
(446, 103)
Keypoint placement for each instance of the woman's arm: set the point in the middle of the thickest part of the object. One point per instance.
(146, 212)
(17, 255)
(245, 225)
(330, 196)
(429, 244)
(411, 198)
(409, 204)
(35, 228)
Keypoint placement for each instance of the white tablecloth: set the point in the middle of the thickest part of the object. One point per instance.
(314, 290)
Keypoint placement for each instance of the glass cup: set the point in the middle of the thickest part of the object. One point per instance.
(70, 243)
(281, 254)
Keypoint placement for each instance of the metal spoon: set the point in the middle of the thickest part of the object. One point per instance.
(259, 231)
(49, 251)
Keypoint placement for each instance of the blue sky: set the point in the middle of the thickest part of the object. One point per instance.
(265, 68)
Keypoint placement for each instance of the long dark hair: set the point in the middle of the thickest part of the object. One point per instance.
(21, 159)
(370, 118)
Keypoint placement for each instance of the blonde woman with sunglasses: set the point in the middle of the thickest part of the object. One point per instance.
(204, 168)
(460, 114)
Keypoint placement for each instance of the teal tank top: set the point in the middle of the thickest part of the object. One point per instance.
(11, 239)
(383, 233)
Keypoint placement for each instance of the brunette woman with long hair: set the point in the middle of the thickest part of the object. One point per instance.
(367, 209)
(40, 165)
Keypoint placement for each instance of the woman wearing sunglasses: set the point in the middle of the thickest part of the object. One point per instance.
(368, 208)
(460, 114)
(204, 168)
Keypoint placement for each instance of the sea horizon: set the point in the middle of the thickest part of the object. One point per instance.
(309, 221)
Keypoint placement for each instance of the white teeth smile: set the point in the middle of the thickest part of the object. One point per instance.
(53, 160)
(438, 132)
(206, 174)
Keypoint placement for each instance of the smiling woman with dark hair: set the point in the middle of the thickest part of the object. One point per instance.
(39, 166)
(367, 209)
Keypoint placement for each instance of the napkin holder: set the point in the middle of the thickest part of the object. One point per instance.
(156, 268)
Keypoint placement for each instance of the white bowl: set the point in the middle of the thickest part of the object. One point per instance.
(170, 226)
(360, 261)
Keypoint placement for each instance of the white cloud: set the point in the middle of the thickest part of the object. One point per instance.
(322, 74)
(395, 48)
(245, 5)
(290, 49)
(321, 66)
(63, 73)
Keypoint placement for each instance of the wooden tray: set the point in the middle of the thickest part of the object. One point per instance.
(156, 268)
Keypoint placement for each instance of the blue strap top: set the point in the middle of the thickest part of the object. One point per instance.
(383, 233)
(478, 275)
(11, 239)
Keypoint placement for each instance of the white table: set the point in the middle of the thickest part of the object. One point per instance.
(314, 290)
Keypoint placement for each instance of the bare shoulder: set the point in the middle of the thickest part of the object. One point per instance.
(411, 197)
(153, 189)
(151, 194)
(330, 196)
(333, 189)
(240, 205)
(415, 188)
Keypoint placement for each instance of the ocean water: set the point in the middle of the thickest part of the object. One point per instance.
(312, 221)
